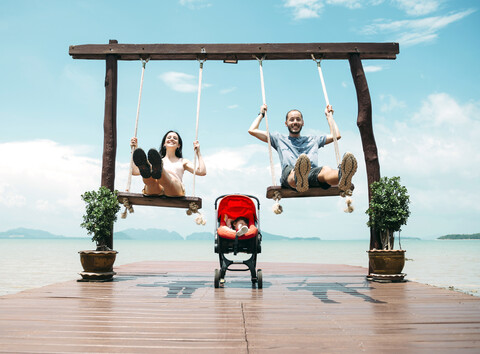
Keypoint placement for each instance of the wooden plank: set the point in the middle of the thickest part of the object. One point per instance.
(172, 307)
(312, 192)
(237, 51)
(159, 201)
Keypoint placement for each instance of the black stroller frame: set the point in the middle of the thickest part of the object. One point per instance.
(251, 246)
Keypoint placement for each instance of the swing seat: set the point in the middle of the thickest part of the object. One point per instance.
(311, 192)
(160, 201)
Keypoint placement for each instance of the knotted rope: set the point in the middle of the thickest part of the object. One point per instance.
(125, 201)
(193, 208)
(334, 133)
(277, 208)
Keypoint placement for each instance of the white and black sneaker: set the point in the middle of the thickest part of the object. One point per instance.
(302, 169)
(346, 170)
(140, 160)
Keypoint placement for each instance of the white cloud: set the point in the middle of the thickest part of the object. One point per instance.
(227, 90)
(390, 103)
(195, 4)
(411, 32)
(418, 8)
(313, 8)
(42, 179)
(435, 152)
(372, 68)
(233, 106)
(305, 8)
(351, 4)
(181, 82)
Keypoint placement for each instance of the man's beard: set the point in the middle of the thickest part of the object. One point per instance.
(294, 132)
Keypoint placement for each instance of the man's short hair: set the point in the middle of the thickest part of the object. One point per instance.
(293, 110)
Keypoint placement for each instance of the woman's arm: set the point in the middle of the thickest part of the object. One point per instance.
(201, 169)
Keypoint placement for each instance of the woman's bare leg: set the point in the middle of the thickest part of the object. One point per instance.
(152, 187)
(172, 186)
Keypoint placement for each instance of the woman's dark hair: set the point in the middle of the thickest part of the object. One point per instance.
(163, 149)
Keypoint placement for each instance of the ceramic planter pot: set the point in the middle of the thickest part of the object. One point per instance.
(388, 262)
(97, 265)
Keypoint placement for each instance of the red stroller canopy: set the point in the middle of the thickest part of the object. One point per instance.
(235, 206)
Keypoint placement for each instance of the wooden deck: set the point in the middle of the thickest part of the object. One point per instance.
(163, 307)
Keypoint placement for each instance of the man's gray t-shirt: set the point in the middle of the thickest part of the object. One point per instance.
(289, 149)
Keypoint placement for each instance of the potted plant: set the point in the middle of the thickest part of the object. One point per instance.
(388, 211)
(101, 209)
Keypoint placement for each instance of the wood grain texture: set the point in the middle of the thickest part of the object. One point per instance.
(159, 201)
(235, 51)
(172, 307)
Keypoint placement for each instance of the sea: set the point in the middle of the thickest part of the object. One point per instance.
(33, 263)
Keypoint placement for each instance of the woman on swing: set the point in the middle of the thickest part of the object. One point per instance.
(162, 171)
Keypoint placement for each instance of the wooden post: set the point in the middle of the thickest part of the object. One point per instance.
(110, 126)
(364, 123)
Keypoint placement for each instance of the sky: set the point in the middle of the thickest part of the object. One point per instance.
(426, 108)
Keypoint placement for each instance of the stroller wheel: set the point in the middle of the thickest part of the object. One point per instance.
(216, 281)
(259, 279)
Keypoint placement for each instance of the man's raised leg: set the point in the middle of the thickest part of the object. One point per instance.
(347, 169)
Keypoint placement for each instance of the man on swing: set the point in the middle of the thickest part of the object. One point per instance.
(299, 155)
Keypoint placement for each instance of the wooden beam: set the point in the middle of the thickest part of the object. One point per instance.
(159, 201)
(271, 51)
(110, 124)
(110, 128)
(364, 123)
(312, 192)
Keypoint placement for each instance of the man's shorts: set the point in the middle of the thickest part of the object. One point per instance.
(312, 178)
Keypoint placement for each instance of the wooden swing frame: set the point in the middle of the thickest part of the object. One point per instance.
(232, 53)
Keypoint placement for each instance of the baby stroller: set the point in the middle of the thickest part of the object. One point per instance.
(233, 206)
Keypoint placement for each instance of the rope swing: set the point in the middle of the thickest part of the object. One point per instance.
(333, 132)
(125, 201)
(277, 208)
(193, 207)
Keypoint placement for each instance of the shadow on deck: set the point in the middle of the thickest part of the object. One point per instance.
(173, 307)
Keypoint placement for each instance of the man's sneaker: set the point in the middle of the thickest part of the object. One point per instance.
(346, 171)
(302, 169)
(156, 161)
(242, 231)
(140, 160)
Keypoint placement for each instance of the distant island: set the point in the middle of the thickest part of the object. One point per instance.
(23, 233)
(160, 234)
(141, 234)
(460, 237)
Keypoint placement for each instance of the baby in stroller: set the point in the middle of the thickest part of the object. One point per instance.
(237, 230)
(239, 225)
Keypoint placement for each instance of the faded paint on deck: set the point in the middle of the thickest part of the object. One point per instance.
(173, 307)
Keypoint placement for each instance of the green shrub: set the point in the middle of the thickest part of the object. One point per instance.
(101, 209)
(388, 209)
